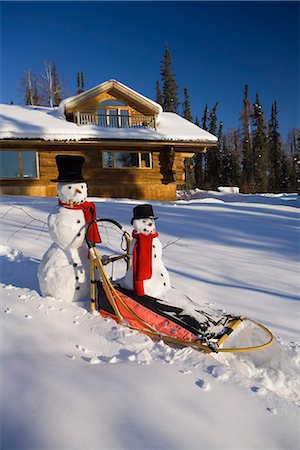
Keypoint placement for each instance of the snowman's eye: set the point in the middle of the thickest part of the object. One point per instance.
(69, 187)
(144, 221)
(81, 187)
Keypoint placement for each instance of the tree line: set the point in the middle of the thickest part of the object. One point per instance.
(46, 88)
(253, 156)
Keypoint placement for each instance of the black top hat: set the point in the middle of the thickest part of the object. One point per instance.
(69, 168)
(143, 212)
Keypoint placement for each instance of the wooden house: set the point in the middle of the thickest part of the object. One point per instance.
(131, 147)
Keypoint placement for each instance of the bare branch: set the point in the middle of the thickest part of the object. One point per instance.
(175, 243)
(33, 219)
(22, 209)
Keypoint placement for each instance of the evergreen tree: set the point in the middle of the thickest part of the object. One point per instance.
(199, 159)
(217, 169)
(82, 82)
(213, 158)
(294, 149)
(204, 119)
(259, 148)
(56, 86)
(187, 106)
(276, 158)
(170, 86)
(213, 119)
(231, 159)
(78, 84)
(284, 180)
(247, 156)
(159, 96)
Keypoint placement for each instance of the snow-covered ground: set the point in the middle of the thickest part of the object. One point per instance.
(72, 380)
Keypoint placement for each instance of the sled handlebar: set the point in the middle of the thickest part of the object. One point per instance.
(91, 244)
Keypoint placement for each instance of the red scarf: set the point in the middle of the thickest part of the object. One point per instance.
(142, 260)
(89, 212)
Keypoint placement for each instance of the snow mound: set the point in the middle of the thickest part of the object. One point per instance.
(211, 200)
(17, 268)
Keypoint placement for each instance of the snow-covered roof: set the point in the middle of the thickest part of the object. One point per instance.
(38, 122)
(106, 86)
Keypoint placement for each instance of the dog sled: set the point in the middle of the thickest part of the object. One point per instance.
(204, 330)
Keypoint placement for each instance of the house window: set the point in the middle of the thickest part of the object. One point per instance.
(113, 113)
(121, 160)
(18, 164)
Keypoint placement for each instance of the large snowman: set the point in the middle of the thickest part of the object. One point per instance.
(147, 274)
(64, 269)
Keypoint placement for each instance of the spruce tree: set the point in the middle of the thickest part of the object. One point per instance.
(82, 82)
(213, 160)
(231, 159)
(247, 156)
(275, 151)
(217, 170)
(201, 158)
(204, 119)
(187, 106)
(259, 148)
(78, 83)
(284, 181)
(213, 119)
(170, 86)
(294, 148)
(56, 86)
(159, 96)
(198, 164)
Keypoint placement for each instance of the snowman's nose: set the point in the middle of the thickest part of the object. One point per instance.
(78, 191)
(150, 224)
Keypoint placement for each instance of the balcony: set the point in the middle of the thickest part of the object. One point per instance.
(114, 120)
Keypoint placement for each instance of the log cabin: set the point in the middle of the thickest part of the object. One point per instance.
(132, 148)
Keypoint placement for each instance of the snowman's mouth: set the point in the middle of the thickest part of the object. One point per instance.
(75, 202)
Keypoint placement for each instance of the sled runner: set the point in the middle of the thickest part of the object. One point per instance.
(206, 330)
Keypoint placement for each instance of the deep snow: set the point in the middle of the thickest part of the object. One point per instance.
(74, 380)
(41, 122)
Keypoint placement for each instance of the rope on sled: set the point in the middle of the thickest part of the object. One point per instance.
(150, 331)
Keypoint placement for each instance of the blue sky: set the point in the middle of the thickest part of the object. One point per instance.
(216, 48)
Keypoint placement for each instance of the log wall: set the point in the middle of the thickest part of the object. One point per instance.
(139, 183)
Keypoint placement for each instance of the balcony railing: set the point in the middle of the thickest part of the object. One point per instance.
(114, 121)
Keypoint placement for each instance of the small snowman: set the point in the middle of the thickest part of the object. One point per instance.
(64, 270)
(147, 274)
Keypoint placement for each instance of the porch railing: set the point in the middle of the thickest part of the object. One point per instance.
(114, 121)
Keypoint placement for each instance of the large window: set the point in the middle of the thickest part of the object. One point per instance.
(18, 164)
(113, 113)
(119, 160)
